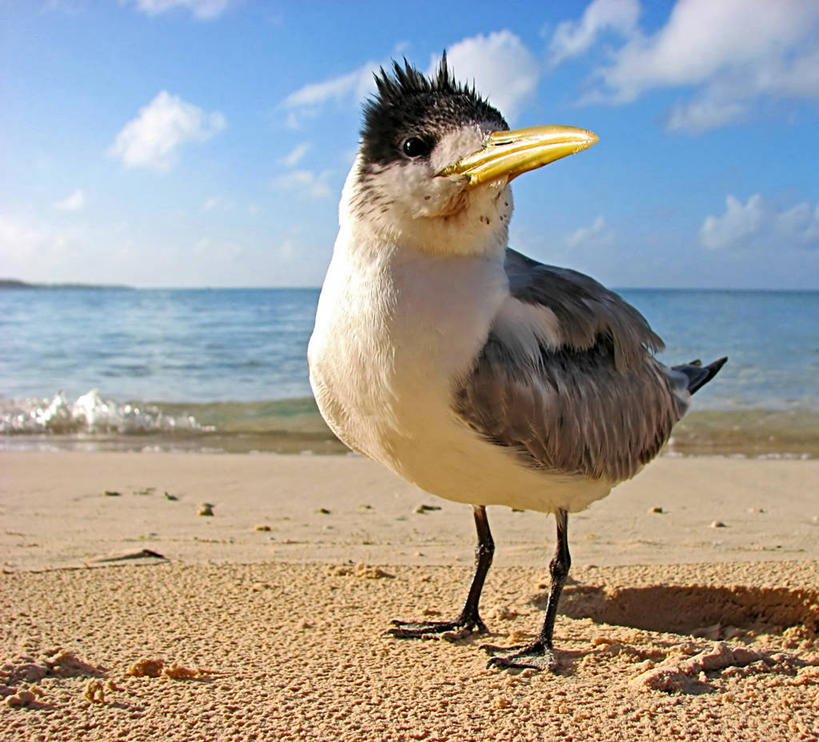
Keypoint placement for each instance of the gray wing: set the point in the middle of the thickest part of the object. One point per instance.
(591, 400)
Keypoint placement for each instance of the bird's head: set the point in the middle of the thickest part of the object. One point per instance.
(435, 162)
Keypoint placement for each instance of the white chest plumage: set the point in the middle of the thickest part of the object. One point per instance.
(395, 330)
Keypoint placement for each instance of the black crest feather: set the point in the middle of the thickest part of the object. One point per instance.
(405, 80)
(408, 103)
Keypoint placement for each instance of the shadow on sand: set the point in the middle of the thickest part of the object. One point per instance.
(711, 612)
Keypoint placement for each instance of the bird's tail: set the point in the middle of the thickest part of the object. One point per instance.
(699, 375)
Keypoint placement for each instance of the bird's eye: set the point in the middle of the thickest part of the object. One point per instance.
(415, 147)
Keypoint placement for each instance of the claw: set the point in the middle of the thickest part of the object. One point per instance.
(447, 630)
(462, 633)
(536, 656)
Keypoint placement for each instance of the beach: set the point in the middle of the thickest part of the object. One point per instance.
(691, 610)
(244, 245)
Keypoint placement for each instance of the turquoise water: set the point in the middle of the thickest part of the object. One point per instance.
(225, 363)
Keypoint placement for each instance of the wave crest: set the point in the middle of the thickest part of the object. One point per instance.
(90, 414)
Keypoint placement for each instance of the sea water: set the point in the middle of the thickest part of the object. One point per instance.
(226, 369)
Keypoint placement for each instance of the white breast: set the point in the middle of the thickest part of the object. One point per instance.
(395, 330)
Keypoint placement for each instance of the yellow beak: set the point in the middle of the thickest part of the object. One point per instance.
(510, 153)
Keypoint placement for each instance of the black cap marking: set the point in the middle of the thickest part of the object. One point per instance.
(409, 104)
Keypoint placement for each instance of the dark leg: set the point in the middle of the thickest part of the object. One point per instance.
(540, 653)
(469, 620)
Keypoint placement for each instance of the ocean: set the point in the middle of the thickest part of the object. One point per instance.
(225, 369)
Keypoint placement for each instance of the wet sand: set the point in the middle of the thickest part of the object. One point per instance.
(265, 619)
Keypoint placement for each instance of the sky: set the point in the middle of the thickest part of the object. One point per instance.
(182, 143)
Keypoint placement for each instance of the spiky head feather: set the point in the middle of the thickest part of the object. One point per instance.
(407, 103)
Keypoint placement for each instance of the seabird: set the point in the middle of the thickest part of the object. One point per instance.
(477, 373)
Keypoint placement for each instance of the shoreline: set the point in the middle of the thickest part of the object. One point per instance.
(301, 445)
(289, 426)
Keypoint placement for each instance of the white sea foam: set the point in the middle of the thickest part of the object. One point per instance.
(90, 414)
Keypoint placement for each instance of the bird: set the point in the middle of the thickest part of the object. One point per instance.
(468, 369)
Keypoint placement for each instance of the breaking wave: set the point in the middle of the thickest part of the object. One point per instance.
(90, 414)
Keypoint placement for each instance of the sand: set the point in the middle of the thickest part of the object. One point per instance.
(131, 616)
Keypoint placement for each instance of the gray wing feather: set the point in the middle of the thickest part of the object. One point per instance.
(585, 308)
(599, 405)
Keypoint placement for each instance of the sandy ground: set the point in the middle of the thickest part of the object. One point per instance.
(55, 512)
(265, 619)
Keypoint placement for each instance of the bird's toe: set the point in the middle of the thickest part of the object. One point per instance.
(536, 656)
(447, 630)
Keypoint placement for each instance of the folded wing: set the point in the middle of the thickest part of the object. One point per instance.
(567, 378)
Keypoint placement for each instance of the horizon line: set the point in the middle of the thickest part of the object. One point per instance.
(19, 284)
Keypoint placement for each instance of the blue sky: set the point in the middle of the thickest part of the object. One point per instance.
(205, 142)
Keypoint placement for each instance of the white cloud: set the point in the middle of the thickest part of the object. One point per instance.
(598, 234)
(296, 155)
(736, 226)
(304, 181)
(709, 111)
(503, 69)
(18, 238)
(217, 203)
(486, 59)
(575, 37)
(800, 225)
(37, 251)
(69, 7)
(353, 84)
(730, 52)
(292, 121)
(348, 88)
(167, 122)
(757, 224)
(73, 202)
(201, 9)
(703, 40)
(217, 250)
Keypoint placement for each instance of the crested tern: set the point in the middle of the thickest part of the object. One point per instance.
(468, 369)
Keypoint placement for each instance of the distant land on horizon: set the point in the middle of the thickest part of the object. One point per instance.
(14, 283)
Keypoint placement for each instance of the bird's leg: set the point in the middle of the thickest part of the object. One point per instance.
(469, 620)
(540, 653)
